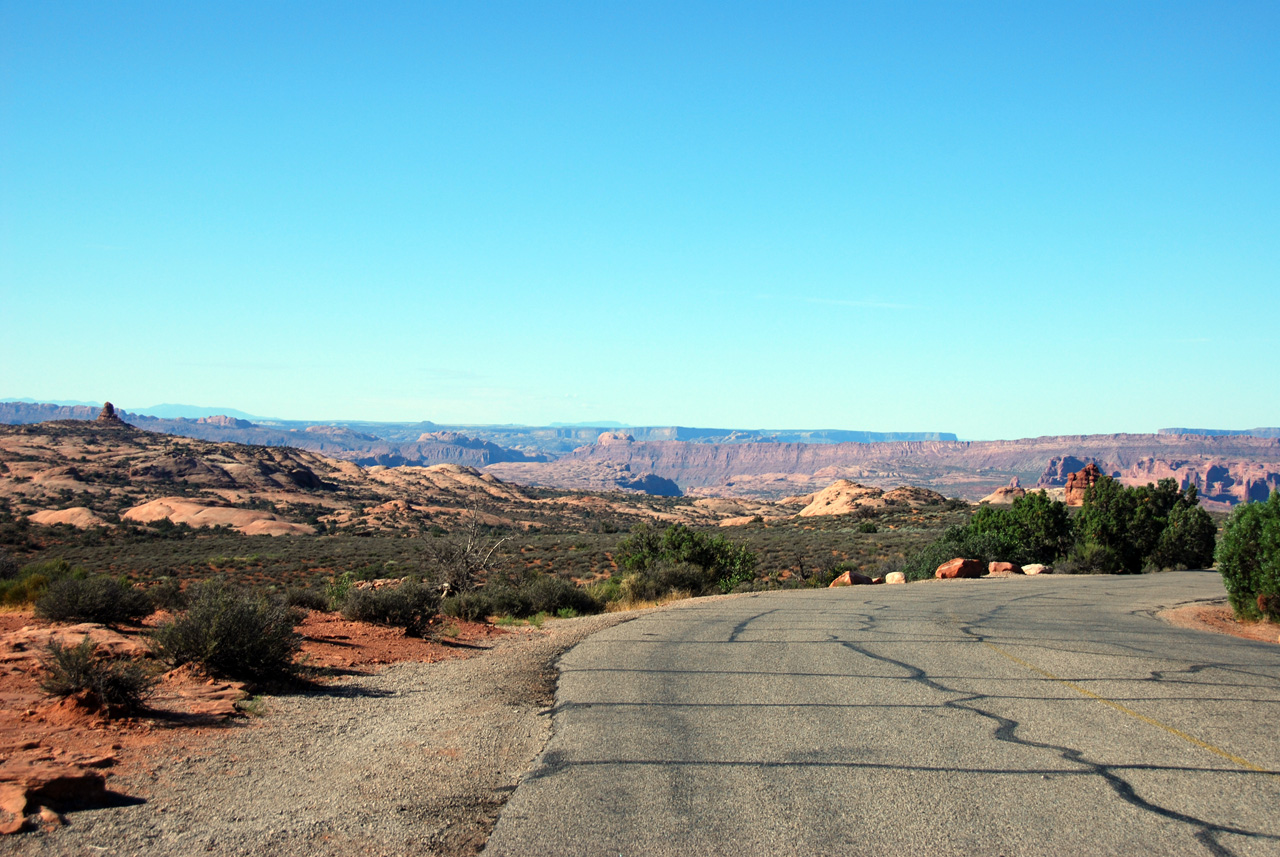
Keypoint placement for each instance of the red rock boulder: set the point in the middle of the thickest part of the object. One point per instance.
(958, 568)
(851, 578)
(1003, 568)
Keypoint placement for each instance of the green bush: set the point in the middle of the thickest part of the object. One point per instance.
(868, 527)
(231, 633)
(1033, 529)
(32, 581)
(724, 565)
(410, 605)
(118, 686)
(1188, 539)
(8, 566)
(1248, 556)
(1125, 528)
(92, 599)
(306, 599)
(956, 542)
(167, 594)
(542, 593)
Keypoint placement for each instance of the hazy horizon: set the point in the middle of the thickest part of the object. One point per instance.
(999, 220)
(171, 410)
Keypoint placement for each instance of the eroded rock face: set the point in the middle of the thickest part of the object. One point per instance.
(1080, 482)
(959, 568)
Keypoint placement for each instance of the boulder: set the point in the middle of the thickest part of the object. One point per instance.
(851, 578)
(895, 577)
(1037, 568)
(959, 568)
(1003, 568)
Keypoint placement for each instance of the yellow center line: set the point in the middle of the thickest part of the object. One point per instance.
(1218, 751)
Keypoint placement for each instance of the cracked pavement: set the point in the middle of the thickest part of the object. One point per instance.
(1013, 716)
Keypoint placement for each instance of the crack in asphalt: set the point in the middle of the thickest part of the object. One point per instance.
(1206, 832)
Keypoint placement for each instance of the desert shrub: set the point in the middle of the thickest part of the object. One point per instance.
(167, 594)
(868, 527)
(33, 579)
(548, 594)
(8, 566)
(1248, 557)
(119, 686)
(409, 605)
(231, 633)
(724, 565)
(542, 593)
(338, 590)
(92, 599)
(305, 599)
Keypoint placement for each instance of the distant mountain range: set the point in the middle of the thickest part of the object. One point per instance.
(1227, 467)
(1254, 432)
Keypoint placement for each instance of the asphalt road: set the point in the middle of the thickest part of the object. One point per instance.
(1014, 716)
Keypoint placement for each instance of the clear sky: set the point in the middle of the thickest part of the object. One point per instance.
(1001, 220)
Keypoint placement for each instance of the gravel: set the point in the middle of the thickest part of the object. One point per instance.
(416, 759)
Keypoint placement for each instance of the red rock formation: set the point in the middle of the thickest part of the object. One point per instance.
(1003, 568)
(109, 415)
(1081, 481)
(958, 568)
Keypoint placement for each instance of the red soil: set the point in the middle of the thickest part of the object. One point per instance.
(187, 708)
(1217, 617)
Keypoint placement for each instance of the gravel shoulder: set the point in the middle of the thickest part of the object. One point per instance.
(415, 759)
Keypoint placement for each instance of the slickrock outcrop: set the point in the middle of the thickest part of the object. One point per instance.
(959, 568)
(180, 510)
(1006, 494)
(76, 516)
(1080, 482)
(841, 498)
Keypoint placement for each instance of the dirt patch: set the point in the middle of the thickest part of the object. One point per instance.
(398, 746)
(1216, 616)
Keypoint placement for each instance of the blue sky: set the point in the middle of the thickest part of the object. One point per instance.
(1001, 220)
